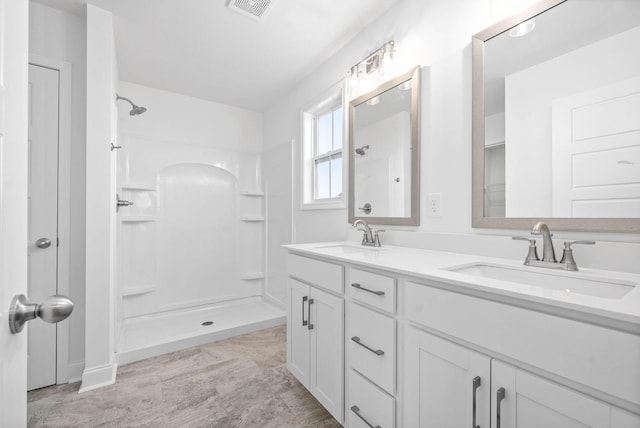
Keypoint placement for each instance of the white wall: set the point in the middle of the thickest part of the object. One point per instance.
(60, 36)
(436, 35)
(102, 81)
(178, 117)
(528, 98)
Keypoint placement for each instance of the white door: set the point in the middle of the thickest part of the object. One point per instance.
(447, 385)
(43, 219)
(298, 330)
(14, 25)
(595, 152)
(532, 402)
(326, 323)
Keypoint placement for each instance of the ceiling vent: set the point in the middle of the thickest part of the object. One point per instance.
(254, 9)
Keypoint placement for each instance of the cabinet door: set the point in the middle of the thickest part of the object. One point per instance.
(298, 330)
(439, 377)
(532, 402)
(326, 320)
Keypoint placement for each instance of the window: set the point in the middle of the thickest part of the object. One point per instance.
(323, 166)
(327, 155)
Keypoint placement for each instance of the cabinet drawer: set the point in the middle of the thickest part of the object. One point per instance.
(574, 350)
(373, 289)
(372, 346)
(369, 402)
(316, 272)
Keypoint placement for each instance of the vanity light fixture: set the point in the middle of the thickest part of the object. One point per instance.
(375, 61)
(523, 28)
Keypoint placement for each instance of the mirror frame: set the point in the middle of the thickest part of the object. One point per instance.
(595, 224)
(414, 218)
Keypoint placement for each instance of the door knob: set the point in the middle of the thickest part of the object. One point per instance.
(43, 243)
(53, 310)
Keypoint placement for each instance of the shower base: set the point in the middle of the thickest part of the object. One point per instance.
(152, 335)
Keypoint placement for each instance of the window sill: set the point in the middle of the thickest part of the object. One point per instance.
(328, 205)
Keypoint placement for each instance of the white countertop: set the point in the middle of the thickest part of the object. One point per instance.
(620, 313)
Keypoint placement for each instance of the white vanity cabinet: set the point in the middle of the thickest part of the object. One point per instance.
(390, 347)
(524, 400)
(454, 386)
(315, 331)
(372, 349)
(441, 391)
(448, 385)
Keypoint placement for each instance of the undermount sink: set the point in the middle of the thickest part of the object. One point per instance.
(347, 249)
(565, 282)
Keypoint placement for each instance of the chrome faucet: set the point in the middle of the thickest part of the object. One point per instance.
(370, 237)
(548, 253)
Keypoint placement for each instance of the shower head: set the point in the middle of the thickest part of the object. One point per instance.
(135, 110)
(360, 151)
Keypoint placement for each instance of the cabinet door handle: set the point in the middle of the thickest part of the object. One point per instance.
(304, 322)
(375, 351)
(356, 410)
(476, 385)
(309, 314)
(360, 287)
(499, 397)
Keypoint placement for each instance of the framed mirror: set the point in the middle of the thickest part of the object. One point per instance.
(384, 153)
(556, 118)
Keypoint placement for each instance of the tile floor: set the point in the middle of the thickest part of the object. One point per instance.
(238, 382)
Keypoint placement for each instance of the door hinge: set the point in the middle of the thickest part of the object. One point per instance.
(57, 242)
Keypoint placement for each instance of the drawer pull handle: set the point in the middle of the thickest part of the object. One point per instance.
(375, 351)
(499, 397)
(360, 287)
(304, 322)
(356, 410)
(476, 385)
(309, 314)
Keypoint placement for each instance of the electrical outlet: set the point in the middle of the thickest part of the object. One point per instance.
(433, 204)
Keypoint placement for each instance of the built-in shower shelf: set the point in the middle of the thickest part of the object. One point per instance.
(139, 186)
(138, 218)
(137, 290)
(251, 193)
(252, 275)
(252, 218)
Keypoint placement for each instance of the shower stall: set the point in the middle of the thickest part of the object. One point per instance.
(191, 240)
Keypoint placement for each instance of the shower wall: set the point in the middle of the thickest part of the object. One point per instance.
(195, 234)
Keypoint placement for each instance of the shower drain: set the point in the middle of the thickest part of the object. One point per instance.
(207, 323)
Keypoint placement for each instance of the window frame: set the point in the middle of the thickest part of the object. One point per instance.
(329, 101)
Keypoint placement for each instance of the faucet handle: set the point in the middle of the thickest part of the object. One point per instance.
(376, 238)
(568, 244)
(533, 250)
(567, 255)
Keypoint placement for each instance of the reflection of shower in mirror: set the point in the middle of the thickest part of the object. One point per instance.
(361, 151)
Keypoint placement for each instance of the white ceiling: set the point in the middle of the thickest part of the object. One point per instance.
(202, 49)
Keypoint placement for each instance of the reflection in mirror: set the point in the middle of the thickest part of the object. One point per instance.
(556, 120)
(384, 153)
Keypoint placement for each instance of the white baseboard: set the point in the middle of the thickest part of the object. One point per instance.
(97, 377)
